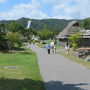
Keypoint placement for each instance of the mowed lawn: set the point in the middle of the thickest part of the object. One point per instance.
(26, 75)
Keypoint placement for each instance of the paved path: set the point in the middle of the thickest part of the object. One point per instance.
(60, 73)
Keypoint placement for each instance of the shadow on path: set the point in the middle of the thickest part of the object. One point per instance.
(58, 85)
(23, 84)
(29, 84)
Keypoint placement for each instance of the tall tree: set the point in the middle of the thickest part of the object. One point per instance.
(2, 36)
(15, 27)
(46, 34)
(86, 23)
(28, 33)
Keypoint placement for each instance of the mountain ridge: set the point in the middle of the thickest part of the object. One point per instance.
(39, 24)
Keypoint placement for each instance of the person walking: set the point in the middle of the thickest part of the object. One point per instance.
(48, 47)
(67, 47)
(53, 47)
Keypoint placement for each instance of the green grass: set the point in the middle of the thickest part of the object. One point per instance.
(76, 59)
(59, 47)
(25, 77)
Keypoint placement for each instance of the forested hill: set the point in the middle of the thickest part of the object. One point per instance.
(53, 24)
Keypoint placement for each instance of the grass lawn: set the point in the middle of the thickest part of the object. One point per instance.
(59, 47)
(76, 59)
(25, 77)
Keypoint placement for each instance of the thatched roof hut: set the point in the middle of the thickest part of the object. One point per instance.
(68, 30)
(65, 34)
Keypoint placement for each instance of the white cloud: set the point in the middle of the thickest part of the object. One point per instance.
(3, 1)
(30, 10)
(66, 9)
(56, 1)
(69, 11)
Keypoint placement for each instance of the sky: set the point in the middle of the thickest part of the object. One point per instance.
(44, 9)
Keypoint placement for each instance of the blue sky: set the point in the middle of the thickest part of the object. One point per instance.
(9, 4)
(44, 9)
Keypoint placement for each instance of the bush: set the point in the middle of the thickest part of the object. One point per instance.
(75, 40)
(15, 39)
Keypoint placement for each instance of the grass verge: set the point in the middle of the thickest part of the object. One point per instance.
(25, 77)
(74, 58)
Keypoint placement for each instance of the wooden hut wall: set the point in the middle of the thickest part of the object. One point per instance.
(62, 42)
(85, 42)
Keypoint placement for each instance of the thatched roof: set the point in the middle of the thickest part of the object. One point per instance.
(68, 30)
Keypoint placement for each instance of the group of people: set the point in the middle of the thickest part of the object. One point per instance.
(51, 47)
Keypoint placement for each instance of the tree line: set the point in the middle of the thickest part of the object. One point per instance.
(14, 34)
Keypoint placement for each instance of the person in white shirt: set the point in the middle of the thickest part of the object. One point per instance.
(53, 47)
(67, 47)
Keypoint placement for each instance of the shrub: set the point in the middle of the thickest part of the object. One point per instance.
(15, 39)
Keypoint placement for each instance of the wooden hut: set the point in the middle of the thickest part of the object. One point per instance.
(65, 34)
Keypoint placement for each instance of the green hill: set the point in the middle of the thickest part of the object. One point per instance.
(56, 25)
